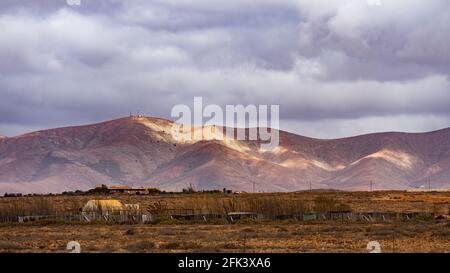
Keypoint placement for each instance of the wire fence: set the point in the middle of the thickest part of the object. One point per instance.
(192, 215)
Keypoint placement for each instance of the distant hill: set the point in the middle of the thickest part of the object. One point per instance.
(139, 151)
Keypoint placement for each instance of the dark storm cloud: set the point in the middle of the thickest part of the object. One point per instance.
(395, 40)
(43, 7)
(335, 67)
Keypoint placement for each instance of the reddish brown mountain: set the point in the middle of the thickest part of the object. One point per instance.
(141, 151)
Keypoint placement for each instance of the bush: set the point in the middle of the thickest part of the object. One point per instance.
(246, 221)
(424, 217)
(153, 190)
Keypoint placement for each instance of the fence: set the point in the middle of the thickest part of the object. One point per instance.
(116, 216)
(192, 215)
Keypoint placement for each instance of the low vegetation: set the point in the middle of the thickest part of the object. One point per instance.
(221, 203)
(415, 236)
(422, 233)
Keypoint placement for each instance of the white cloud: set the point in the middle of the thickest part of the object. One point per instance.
(329, 64)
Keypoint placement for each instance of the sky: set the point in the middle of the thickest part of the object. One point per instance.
(336, 67)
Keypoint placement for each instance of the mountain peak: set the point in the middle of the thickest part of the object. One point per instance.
(142, 151)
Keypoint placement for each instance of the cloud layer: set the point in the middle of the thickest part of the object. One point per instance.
(336, 68)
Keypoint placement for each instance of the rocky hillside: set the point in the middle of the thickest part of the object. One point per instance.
(140, 151)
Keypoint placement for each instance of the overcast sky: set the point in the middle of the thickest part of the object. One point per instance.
(336, 67)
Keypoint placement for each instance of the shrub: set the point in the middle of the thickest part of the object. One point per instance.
(424, 217)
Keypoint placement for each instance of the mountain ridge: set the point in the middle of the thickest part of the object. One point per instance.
(140, 151)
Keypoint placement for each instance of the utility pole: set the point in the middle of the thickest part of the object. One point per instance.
(371, 185)
(310, 186)
(253, 186)
(429, 184)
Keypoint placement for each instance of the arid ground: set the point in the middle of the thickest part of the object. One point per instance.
(414, 235)
(317, 237)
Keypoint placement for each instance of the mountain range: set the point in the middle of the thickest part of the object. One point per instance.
(140, 151)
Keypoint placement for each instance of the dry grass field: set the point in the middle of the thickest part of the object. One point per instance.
(288, 237)
(415, 235)
(381, 201)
